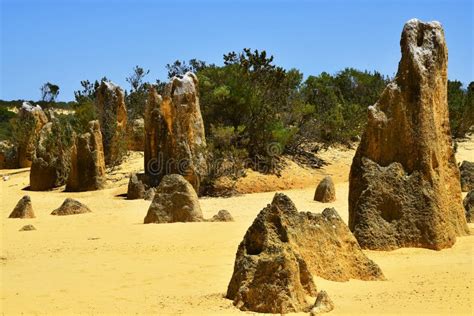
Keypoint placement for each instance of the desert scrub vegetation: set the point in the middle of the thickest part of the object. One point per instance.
(249, 103)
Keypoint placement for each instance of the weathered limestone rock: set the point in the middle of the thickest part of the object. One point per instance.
(467, 175)
(322, 305)
(136, 187)
(52, 158)
(136, 135)
(325, 192)
(71, 207)
(175, 141)
(468, 203)
(281, 251)
(175, 201)
(112, 113)
(27, 228)
(87, 161)
(222, 216)
(23, 209)
(32, 119)
(403, 188)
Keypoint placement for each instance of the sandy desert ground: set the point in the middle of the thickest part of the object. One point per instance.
(108, 262)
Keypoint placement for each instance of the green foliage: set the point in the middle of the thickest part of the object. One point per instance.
(461, 108)
(5, 127)
(340, 103)
(84, 113)
(22, 130)
(179, 68)
(251, 95)
(136, 99)
(61, 138)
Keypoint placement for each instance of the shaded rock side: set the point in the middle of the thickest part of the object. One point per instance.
(32, 119)
(325, 191)
(112, 114)
(281, 251)
(23, 209)
(403, 185)
(71, 207)
(467, 175)
(52, 158)
(468, 204)
(87, 161)
(174, 140)
(175, 201)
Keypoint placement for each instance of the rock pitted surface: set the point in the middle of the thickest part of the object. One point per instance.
(52, 158)
(403, 186)
(87, 161)
(281, 251)
(468, 203)
(175, 141)
(175, 201)
(71, 207)
(112, 113)
(467, 175)
(32, 119)
(325, 192)
(23, 209)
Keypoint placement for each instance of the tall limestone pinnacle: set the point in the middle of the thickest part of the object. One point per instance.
(404, 186)
(175, 141)
(112, 115)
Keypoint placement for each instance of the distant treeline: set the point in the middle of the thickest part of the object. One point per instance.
(249, 103)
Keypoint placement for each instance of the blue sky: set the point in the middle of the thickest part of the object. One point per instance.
(66, 41)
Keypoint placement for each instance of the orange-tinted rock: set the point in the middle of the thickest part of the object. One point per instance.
(404, 186)
(175, 142)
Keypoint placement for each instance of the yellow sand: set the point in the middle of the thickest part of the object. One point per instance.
(108, 262)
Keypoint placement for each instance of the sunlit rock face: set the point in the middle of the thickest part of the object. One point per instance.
(404, 186)
(174, 132)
